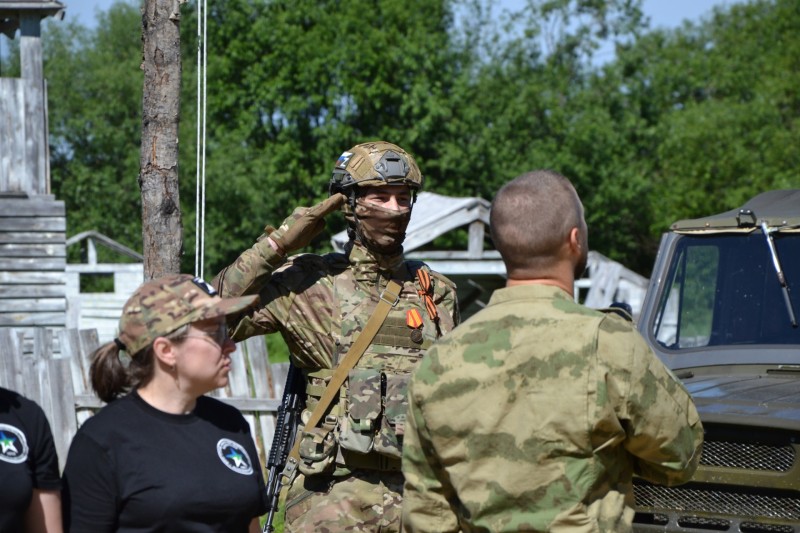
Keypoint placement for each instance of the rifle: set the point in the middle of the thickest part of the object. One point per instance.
(288, 417)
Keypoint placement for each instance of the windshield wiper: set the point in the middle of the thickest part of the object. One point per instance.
(779, 271)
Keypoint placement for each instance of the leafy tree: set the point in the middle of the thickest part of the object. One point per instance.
(94, 101)
(720, 104)
(681, 123)
(294, 83)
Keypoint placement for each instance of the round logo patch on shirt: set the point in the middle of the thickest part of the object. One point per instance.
(13, 446)
(234, 456)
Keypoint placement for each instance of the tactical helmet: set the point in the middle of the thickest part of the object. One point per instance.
(374, 164)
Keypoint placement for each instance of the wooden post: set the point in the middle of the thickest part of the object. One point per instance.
(36, 179)
(158, 178)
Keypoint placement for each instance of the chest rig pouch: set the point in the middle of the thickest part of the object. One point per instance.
(386, 343)
(374, 400)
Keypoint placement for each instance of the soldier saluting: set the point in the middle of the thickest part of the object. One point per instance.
(349, 453)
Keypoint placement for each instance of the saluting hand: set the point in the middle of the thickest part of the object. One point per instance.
(305, 223)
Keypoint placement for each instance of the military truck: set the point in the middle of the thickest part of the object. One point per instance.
(721, 311)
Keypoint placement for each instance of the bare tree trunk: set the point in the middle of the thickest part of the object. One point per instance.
(158, 176)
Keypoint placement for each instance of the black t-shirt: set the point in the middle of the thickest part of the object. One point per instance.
(28, 458)
(132, 468)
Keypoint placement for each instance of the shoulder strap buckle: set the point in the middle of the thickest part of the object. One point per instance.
(391, 295)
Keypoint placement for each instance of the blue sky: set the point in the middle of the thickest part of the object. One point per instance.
(662, 13)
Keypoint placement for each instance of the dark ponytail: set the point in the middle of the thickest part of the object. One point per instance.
(111, 378)
(108, 375)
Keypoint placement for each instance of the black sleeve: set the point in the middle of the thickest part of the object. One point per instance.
(43, 457)
(90, 493)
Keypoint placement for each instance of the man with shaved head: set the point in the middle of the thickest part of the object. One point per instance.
(535, 413)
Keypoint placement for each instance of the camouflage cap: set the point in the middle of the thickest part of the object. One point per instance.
(160, 306)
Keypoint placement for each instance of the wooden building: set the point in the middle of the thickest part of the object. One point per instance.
(32, 221)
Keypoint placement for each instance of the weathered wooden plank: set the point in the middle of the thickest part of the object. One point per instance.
(12, 159)
(32, 237)
(252, 404)
(101, 300)
(64, 422)
(38, 375)
(33, 223)
(476, 236)
(33, 250)
(88, 401)
(453, 254)
(35, 136)
(31, 291)
(88, 344)
(10, 364)
(70, 343)
(7, 128)
(32, 319)
(92, 313)
(33, 263)
(30, 47)
(258, 361)
(28, 305)
(31, 207)
(107, 268)
(279, 373)
(237, 378)
(32, 278)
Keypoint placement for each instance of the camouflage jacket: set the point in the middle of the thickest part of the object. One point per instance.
(320, 304)
(534, 415)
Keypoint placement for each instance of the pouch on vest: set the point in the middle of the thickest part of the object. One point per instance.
(317, 450)
(363, 410)
(389, 440)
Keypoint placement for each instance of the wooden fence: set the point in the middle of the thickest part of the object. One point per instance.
(54, 372)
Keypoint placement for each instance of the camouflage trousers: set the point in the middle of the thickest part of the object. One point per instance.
(365, 500)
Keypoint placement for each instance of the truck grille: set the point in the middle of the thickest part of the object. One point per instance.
(689, 500)
(750, 456)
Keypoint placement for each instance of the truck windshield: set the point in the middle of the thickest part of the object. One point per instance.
(723, 290)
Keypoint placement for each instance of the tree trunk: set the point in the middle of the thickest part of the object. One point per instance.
(162, 238)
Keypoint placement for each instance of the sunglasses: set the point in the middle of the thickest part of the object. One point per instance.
(217, 336)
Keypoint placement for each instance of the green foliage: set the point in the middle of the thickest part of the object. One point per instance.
(293, 84)
(682, 123)
(720, 100)
(95, 100)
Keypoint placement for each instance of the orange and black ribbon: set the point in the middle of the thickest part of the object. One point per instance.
(426, 293)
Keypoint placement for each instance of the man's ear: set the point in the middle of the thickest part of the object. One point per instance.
(575, 242)
(164, 351)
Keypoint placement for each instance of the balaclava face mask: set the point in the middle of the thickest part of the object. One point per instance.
(381, 230)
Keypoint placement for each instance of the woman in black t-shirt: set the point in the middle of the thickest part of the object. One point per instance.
(164, 457)
(30, 498)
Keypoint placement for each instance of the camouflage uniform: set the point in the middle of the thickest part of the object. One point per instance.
(534, 415)
(320, 304)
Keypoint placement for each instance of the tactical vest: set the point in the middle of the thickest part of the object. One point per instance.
(364, 429)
